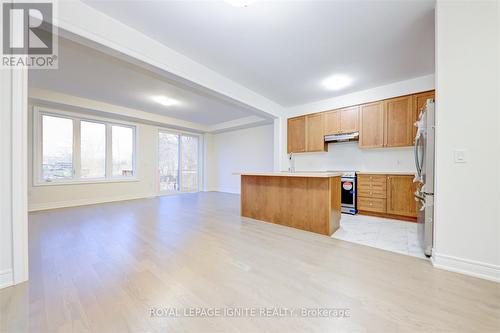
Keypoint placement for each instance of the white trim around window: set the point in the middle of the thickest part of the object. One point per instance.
(40, 111)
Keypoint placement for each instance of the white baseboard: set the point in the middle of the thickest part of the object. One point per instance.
(468, 267)
(234, 190)
(84, 202)
(6, 278)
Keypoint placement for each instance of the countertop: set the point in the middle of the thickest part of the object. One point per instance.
(293, 174)
(321, 174)
(404, 173)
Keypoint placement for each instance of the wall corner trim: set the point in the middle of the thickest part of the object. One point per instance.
(467, 267)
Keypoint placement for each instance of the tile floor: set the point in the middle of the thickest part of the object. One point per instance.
(387, 234)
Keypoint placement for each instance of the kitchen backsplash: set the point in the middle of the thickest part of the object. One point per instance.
(348, 156)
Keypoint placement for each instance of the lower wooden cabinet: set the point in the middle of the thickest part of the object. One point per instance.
(400, 199)
(387, 195)
(371, 204)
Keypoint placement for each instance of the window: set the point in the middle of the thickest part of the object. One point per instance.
(169, 162)
(93, 150)
(189, 163)
(57, 150)
(70, 149)
(123, 151)
(178, 162)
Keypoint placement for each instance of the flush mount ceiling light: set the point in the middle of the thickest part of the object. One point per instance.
(165, 101)
(239, 3)
(337, 82)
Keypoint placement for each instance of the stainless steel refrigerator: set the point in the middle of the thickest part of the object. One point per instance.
(424, 162)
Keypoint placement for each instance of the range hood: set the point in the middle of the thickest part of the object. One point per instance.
(354, 136)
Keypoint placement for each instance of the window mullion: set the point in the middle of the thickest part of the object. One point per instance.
(39, 147)
(77, 149)
(109, 152)
(179, 156)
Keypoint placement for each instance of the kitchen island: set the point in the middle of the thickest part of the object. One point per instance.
(307, 201)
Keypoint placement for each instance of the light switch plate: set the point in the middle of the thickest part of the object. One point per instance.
(459, 156)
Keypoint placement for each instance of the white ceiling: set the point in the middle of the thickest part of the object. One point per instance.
(88, 73)
(284, 49)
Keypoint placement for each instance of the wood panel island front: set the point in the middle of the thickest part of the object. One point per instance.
(307, 201)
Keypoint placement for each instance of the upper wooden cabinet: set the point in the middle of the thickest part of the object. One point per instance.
(315, 139)
(332, 122)
(418, 101)
(297, 134)
(349, 119)
(398, 126)
(400, 199)
(340, 121)
(386, 123)
(305, 134)
(371, 125)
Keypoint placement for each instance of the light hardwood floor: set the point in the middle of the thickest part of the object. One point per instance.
(102, 268)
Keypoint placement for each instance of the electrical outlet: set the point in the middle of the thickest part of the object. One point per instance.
(459, 156)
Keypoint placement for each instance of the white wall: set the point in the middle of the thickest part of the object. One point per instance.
(248, 149)
(467, 228)
(5, 182)
(13, 182)
(347, 156)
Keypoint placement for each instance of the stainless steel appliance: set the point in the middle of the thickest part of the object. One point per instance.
(348, 187)
(424, 162)
(354, 136)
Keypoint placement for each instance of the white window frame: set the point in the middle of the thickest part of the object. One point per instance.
(77, 118)
(200, 159)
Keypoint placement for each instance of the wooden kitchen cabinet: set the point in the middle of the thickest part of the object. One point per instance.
(400, 199)
(398, 125)
(297, 134)
(371, 125)
(418, 102)
(341, 121)
(385, 123)
(387, 196)
(349, 119)
(315, 139)
(305, 134)
(371, 193)
(332, 122)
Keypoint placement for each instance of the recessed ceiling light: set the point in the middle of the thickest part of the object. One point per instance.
(337, 82)
(165, 101)
(239, 3)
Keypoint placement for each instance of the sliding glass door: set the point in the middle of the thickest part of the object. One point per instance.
(177, 162)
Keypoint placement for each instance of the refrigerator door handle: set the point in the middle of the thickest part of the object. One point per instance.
(415, 152)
